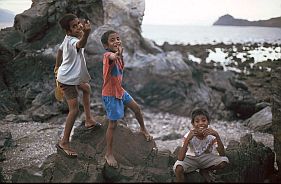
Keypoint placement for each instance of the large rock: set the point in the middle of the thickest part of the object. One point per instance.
(140, 161)
(261, 121)
(167, 81)
(276, 115)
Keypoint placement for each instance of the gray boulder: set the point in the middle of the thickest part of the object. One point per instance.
(140, 161)
(261, 121)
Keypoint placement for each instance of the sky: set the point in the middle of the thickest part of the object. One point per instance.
(206, 12)
(16, 6)
(188, 12)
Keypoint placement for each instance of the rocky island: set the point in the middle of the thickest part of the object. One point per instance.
(228, 20)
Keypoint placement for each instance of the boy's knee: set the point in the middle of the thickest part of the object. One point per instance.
(86, 88)
(112, 125)
(76, 111)
(179, 169)
(222, 165)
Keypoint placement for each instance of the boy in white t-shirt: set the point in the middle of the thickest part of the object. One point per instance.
(72, 74)
(197, 149)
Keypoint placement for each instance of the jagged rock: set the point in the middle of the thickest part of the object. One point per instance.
(276, 115)
(250, 162)
(17, 118)
(5, 141)
(141, 161)
(28, 175)
(166, 80)
(261, 121)
(241, 102)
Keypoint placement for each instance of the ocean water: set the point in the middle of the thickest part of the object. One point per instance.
(182, 34)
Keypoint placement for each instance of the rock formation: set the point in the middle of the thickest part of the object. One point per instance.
(141, 161)
(276, 115)
(228, 20)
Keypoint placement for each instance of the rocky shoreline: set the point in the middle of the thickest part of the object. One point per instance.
(166, 80)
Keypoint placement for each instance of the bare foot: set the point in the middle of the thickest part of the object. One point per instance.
(90, 123)
(111, 161)
(65, 149)
(148, 137)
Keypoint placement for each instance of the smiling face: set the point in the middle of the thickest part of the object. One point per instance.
(113, 42)
(200, 123)
(75, 28)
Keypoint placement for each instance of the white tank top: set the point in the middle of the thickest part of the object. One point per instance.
(197, 147)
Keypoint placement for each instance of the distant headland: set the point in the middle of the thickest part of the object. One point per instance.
(228, 20)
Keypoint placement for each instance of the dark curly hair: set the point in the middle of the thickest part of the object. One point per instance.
(65, 20)
(104, 37)
(199, 111)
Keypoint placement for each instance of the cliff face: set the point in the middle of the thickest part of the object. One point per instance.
(228, 20)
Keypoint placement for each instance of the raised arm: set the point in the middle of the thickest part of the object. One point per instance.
(86, 28)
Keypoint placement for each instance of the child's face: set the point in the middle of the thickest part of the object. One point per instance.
(113, 42)
(200, 122)
(75, 28)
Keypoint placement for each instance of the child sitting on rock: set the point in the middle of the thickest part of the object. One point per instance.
(197, 149)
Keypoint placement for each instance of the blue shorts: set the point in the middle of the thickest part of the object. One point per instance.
(115, 107)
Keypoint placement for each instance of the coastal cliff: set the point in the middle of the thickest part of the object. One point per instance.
(228, 20)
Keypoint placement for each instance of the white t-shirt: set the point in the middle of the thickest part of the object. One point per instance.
(197, 147)
(73, 69)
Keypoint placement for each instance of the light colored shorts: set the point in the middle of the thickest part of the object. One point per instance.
(115, 107)
(206, 160)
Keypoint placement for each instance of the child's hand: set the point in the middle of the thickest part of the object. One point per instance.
(86, 26)
(120, 50)
(191, 134)
(210, 131)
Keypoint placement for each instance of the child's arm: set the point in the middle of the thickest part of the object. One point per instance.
(220, 147)
(184, 148)
(86, 32)
(58, 61)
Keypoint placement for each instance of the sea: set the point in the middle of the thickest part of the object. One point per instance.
(186, 34)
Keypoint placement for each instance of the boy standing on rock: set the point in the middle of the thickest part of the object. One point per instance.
(196, 151)
(72, 74)
(113, 95)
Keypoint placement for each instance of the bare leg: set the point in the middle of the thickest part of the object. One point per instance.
(136, 109)
(86, 88)
(179, 174)
(206, 173)
(73, 111)
(109, 140)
